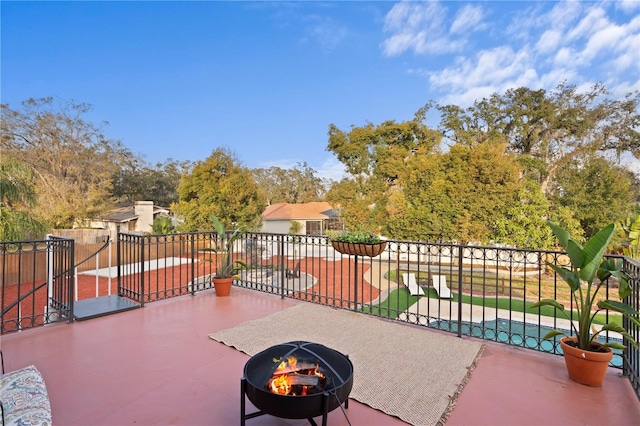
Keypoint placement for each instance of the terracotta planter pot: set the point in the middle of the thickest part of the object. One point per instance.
(585, 367)
(223, 286)
(359, 249)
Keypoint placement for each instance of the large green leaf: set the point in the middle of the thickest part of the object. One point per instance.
(218, 225)
(575, 252)
(570, 277)
(553, 333)
(624, 309)
(619, 329)
(594, 250)
(547, 302)
(561, 234)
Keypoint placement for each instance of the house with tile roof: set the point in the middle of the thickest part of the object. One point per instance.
(315, 218)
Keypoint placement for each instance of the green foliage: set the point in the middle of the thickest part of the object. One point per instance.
(17, 199)
(163, 225)
(72, 160)
(295, 227)
(631, 227)
(587, 264)
(357, 237)
(514, 160)
(219, 186)
(548, 127)
(136, 181)
(523, 223)
(298, 184)
(597, 191)
(375, 156)
(226, 267)
(458, 195)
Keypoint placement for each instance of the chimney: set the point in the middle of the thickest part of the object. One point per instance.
(144, 211)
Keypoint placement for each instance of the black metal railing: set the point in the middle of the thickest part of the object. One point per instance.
(155, 267)
(483, 292)
(631, 358)
(37, 279)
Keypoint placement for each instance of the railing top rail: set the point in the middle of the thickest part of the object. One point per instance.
(106, 244)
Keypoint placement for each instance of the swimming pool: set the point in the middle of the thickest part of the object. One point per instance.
(517, 333)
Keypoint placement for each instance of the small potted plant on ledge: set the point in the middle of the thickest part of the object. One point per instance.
(358, 243)
(586, 359)
(226, 267)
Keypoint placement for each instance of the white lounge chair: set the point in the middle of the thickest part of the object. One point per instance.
(440, 285)
(410, 281)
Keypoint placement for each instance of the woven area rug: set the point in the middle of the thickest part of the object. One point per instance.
(404, 371)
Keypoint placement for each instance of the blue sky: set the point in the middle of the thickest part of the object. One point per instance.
(179, 79)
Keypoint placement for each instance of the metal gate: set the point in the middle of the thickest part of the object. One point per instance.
(37, 279)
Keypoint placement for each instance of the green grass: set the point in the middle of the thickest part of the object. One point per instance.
(400, 300)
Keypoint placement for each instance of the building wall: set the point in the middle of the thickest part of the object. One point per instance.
(276, 226)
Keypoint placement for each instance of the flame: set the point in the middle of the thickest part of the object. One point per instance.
(290, 362)
(281, 382)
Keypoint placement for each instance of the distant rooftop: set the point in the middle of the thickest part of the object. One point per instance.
(313, 210)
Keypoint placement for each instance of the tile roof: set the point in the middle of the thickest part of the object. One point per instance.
(313, 210)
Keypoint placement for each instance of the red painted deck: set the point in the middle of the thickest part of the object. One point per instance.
(156, 366)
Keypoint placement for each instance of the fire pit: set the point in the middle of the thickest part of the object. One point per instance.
(296, 380)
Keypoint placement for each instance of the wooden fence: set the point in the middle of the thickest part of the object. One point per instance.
(29, 265)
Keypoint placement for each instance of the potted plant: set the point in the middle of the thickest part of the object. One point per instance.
(586, 359)
(358, 243)
(226, 267)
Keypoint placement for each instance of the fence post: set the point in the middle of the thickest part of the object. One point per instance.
(460, 257)
(281, 268)
(193, 265)
(142, 272)
(73, 278)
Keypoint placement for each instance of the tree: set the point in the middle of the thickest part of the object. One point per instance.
(375, 156)
(524, 222)
(457, 195)
(221, 186)
(296, 185)
(17, 198)
(137, 180)
(597, 191)
(72, 161)
(549, 129)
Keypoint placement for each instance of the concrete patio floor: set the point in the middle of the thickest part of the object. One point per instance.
(156, 366)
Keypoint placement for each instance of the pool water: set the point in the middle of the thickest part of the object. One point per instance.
(517, 333)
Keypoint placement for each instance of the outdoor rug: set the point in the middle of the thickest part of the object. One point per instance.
(404, 371)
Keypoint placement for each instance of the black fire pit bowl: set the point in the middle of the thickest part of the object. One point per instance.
(337, 368)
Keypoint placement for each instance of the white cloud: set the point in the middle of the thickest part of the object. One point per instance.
(604, 40)
(577, 42)
(628, 5)
(325, 31)
(488, 68)
(595, 20)
(419, 27)
(467, 19)
(549, 42)
(562, 15)
(331, 169)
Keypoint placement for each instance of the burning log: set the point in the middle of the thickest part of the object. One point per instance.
(303, 380)
(298, 367)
